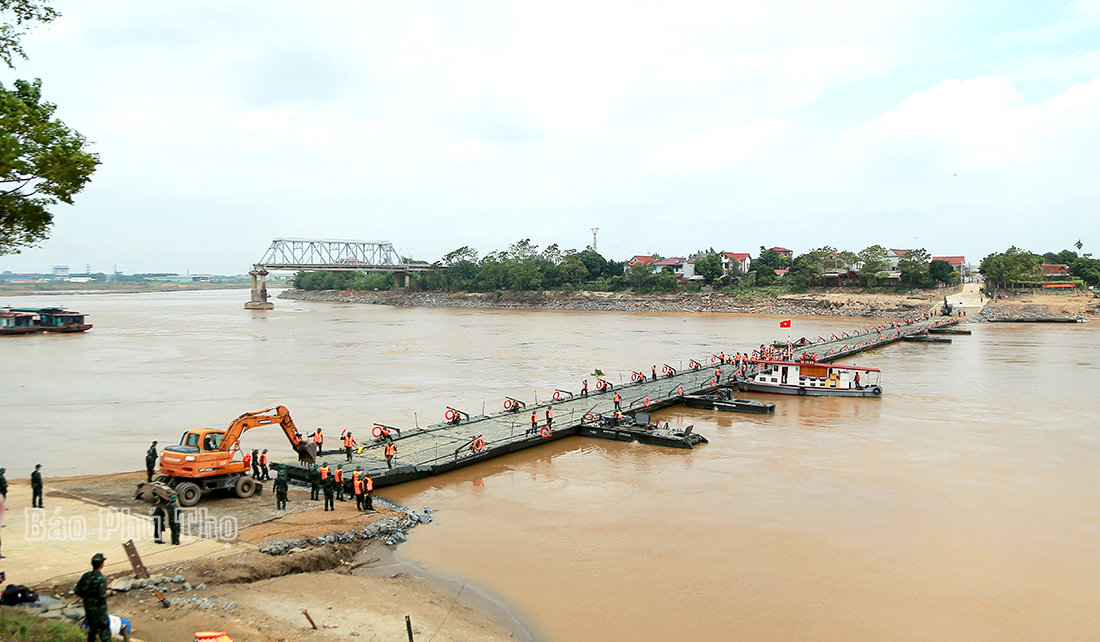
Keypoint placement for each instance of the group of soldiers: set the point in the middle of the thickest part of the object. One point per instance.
(334, 484)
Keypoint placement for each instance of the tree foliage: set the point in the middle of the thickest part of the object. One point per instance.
(709, 266)
(18, 17)
(42, 163)
(875, 261)
(1011, 266)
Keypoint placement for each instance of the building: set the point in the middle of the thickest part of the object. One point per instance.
(956, 262)
(735, 261)
(1055, 270)
(784, 251)
(894, 256)
(684, 270)
(641, 258)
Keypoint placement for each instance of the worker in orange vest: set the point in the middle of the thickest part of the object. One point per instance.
(391, 452)
(534, 421)
(357, 487)
(349, 444)
(247, 461)
(368, 484)
(338, 476)
(549, 416)
(654, 372)
(324, 471)
(618, 400)
(618, 415)
(264, 475)
(584, 388)
(319, 439)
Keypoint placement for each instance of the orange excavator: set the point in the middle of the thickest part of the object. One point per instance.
(203, 460)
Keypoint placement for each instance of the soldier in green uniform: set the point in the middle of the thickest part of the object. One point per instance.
(150, 461)
(314, 482)
(3, 489)
(36, 487)
(280, 490)
(329, 487)
(173, 518)
(263, 466)
(159, 518)
(92, 588)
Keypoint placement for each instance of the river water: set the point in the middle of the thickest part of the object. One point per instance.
(963, 505)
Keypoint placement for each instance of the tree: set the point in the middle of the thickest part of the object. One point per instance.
(807, 268)
(1087, 268)
(874, 260)
(24, 13)
(709, 266)
(913, 265)
(1012, 266)
(42, 162)
(941, 271)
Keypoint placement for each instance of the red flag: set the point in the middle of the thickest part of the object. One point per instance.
(785, 324)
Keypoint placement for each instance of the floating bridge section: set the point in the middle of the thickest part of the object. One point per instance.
(449, 445)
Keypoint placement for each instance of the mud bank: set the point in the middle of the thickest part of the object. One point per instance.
(831, 304)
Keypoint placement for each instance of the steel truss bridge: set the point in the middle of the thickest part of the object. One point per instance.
(335, 255)
(328, 254)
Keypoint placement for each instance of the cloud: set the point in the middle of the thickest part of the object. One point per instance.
(714, 150)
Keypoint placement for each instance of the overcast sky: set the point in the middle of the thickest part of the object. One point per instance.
(960, 127)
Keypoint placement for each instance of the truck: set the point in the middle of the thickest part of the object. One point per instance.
(203, 460)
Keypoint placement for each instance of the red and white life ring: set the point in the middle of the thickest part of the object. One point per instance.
(546, 431)
(680, 390)
(557, 396)
(377, 432)
(450, 414)
(645, 402)
(508, 404)
(478, 444)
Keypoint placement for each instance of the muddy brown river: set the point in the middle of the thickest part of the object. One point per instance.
(963, 505)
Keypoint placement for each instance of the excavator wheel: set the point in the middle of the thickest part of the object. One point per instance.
(245, 487)
(189, 494)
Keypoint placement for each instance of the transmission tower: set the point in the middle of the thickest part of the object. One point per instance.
(594, 230)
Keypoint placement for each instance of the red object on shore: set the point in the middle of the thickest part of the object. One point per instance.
(785, 324)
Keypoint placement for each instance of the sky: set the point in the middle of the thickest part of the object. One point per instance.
(958, 127)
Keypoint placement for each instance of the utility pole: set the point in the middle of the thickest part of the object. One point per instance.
(594, 230)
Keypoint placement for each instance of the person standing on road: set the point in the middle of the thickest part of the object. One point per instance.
(618, 401)
(92, 589)
(368, 489)
(391, 452)
(247, 459)
(654, 372)
(159, 516)
(319, 439)
(150, 461)
(263, 466)
(36, 487)
(534, 422)
(338, 480)
(349, 445)
(173, 509)
(357, 488)
(280, 490)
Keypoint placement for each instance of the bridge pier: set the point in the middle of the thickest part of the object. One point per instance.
(397, 286)
(259, 294)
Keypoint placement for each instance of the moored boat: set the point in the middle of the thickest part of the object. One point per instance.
(28, 320)
(723, 400)
(17, 322)
(810, 378)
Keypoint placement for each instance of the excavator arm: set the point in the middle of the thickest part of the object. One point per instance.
(249, 420)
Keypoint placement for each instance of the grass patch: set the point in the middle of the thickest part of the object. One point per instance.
(17, 624)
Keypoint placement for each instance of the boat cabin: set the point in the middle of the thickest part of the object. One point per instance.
(15, 320)
(811, 374)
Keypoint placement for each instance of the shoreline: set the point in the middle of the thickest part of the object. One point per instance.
(255, 584)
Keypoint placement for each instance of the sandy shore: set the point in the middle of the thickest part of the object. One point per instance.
(353, 588)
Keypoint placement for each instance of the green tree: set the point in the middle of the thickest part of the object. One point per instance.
(709, 266)
(1087, 268)
(1011, 266)
(913, 265)
(42, 162)
(941, 271)
(874, 260)
(18, 17)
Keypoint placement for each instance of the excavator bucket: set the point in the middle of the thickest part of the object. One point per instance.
(307, 454)
(148, 491)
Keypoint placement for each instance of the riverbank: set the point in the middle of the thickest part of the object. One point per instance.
(253, 581)
(1043, 306)
(840, 304)
(65, 288)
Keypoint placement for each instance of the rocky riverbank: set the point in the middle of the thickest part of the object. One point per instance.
(824, 304)
(1042, 306)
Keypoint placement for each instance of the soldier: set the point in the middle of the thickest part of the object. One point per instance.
(584, 388)
(357, 488)
(549, 416)
(329, 486)
(338, 481)
(391, 452)
(314, 483)
(36, 487)
(255, 463)
(92, 588)
(247, 460)
(280, 490)
(368, 487)
(150, 461)
(319, 439)
(654, 372)
(263, 466)
(173, 518)
(618, 401)
(158, 519)
(534, 422)
(349, 444)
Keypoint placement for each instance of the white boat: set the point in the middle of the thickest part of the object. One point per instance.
(814, 379)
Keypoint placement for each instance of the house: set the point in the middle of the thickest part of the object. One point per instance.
(784, 251)
(641, 259)
(956, 262)
(735, 260)
(1055, 270)
(833, 266)
(894, 256)
(684, 270)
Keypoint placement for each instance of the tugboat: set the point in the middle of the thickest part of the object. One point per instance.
(639, 429)
(56, 320)
(723, 400)
(18, 322)
(809, 377)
